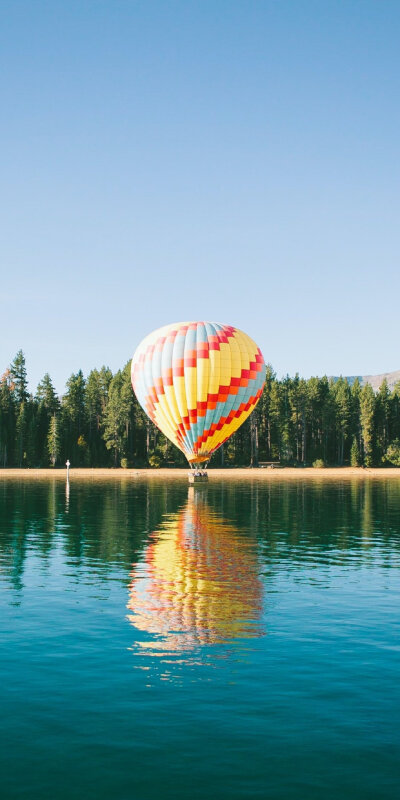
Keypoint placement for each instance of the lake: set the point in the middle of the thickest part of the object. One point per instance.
(239, 640)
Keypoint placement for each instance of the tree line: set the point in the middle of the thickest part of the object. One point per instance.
(99, 423)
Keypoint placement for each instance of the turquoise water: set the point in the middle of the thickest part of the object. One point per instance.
(234, 641)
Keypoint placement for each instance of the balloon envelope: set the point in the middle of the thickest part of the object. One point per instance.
(198, 382)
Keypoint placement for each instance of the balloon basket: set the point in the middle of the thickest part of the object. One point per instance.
(197, 479)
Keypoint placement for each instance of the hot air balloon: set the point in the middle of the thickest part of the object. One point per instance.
(198, 382)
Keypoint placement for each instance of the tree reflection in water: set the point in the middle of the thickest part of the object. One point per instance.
(198, 583)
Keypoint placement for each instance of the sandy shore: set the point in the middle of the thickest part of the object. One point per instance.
(338, 473)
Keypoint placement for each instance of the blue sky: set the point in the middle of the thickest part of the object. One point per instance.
(230, 161)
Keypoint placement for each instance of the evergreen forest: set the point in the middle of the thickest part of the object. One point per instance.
(99, 423)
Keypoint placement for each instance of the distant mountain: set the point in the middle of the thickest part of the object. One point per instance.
(376, 380)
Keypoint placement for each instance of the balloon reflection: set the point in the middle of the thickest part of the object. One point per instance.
(198, 583)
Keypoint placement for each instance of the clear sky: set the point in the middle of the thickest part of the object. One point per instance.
(230, 161)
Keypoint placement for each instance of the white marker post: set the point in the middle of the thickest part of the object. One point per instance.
(67, 464)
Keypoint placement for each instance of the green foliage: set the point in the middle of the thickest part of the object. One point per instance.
(96, 399)
(19, 380)
(74, 418)
(355, 458)
(21, 431)
(7, 420)
(53, 441)
(381, 421)
(46, 396)
(342, 400)
(392, 455)
(367, 409)
(117, 416)
(155, 460)
(319, 463)
(47, 404)
(98, 422)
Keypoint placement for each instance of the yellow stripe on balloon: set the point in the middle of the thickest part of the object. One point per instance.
(198, 382)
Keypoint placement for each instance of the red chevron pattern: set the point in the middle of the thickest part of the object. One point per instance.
(226, 420)
(219, 397)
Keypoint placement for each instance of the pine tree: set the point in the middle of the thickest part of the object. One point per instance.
(342, 400)
(53, 440)
(297, 402)
(47, 404)
(117, 417)
(264, 416)
(46, 395)
(394, 413)
(355, 425)
(21, 431)
(96, 397)
(329, 423)
(318, 399)
(74, 417)
(33, 442)
(367, 408)
(382, 413)
(7, 419)
(253, 438)
(355, 459)
(275, 415)
(19, 378)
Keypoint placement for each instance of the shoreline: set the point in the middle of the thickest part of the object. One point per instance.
(247, 473)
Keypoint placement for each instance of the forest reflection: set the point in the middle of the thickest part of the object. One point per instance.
(197, 583)
(231, 535)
